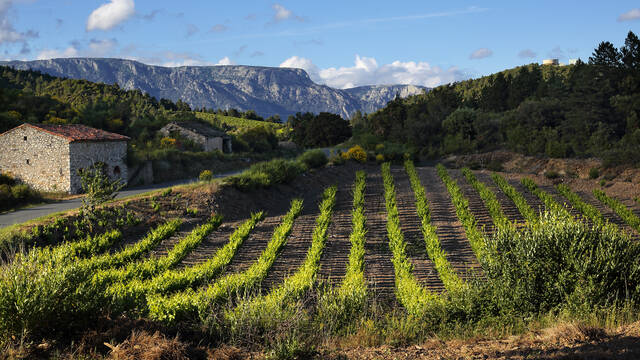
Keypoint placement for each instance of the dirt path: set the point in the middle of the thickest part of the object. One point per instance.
(449, 229)
(476, 204)
(532, 200)
(333, 264)
(378, 268)
(252, 247)
(508, 206)
(423, 268)
(211, 244)
(167, 244)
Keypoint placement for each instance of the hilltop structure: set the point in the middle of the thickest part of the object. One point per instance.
(209, 138)
(48, 157)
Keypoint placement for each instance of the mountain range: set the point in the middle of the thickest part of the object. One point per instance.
(267, 90)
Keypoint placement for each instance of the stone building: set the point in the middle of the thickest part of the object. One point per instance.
(200, 133)
(48, 157)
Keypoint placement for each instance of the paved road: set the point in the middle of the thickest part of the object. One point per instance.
(35, 212)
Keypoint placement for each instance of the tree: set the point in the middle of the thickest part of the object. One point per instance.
(605, 55)
(98, 187)
(631, 52)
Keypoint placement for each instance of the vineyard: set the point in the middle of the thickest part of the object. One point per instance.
(401, 250)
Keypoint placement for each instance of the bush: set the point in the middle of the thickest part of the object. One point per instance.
(356, 153)
(379, 158)
(21, 192)
(313, 159)
(267, 173)
(205, 175)
(551, 174)
(6, 179)
(594, 173)
(592, 267)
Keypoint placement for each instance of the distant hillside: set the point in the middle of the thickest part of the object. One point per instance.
(266, 90)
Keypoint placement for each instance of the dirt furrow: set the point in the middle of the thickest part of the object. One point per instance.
(508, 206)
(294, 251)
(167, 244)
(448, 227)
(423, 268)
(378, 268)
(608, 213)
(211, 244)
(476, 204)
(252, 247)
(536, 204)
(333, 264)
(551, 190)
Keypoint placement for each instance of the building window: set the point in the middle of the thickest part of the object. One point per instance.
(24, 138)
(27, 161)
(116, 170)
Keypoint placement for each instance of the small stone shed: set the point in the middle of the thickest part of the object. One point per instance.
(48, 157)
(200, 133)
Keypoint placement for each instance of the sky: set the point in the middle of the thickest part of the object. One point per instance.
(339, 43)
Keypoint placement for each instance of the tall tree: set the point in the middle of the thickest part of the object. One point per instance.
(606, 55)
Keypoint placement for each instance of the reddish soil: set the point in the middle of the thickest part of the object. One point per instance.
(378, 268)
(423, 269)
(508, 206)
(476, 204)
(335, 257)
(449, 229)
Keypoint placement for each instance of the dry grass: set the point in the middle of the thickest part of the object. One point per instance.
(141, 345)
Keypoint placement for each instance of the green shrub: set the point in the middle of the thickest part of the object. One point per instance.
(206, 175)
(494, 165)
(313, 159)
(21, 192)
(551, 174)
(6, 179)
(602, 182)
(266, 174)
(592, 267)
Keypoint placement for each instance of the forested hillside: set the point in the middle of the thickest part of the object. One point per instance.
(586, 109)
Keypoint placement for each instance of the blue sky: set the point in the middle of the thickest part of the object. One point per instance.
(339, 43)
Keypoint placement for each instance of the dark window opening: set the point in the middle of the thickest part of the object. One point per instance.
(25, 138)
(116, 170)
(27, 161)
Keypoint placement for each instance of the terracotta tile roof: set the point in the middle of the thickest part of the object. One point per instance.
(77, 132)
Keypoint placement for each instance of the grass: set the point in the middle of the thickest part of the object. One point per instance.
(258, 314)
(411, 294)
(627, 215)
(339, 307)
(515, 196)
(549, 202)
(133, 294)
(587, 210)
(448, 276)
(237, 122)
(191, 304)
(489, 198)
(461, 203)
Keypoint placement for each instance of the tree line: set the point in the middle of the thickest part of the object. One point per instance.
(586, 109)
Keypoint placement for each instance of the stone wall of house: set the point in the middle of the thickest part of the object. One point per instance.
(36, 158)
(191, 135)
(213, 144)
(86, 153)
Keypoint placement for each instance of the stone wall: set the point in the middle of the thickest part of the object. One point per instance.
(37, 158)
(86, 153)
(208, 143)
(213, 144)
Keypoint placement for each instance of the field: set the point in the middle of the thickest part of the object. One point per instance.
(236, 122)
(345, 256)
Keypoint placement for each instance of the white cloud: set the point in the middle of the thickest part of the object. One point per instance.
(225, 61)
(54, 53)
(527, 54)
(7, 32)
(107, 16)
(282, 13)
(480, 54)
(633, 14)
(366, 71)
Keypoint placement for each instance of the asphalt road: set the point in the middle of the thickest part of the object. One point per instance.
(20, 216)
